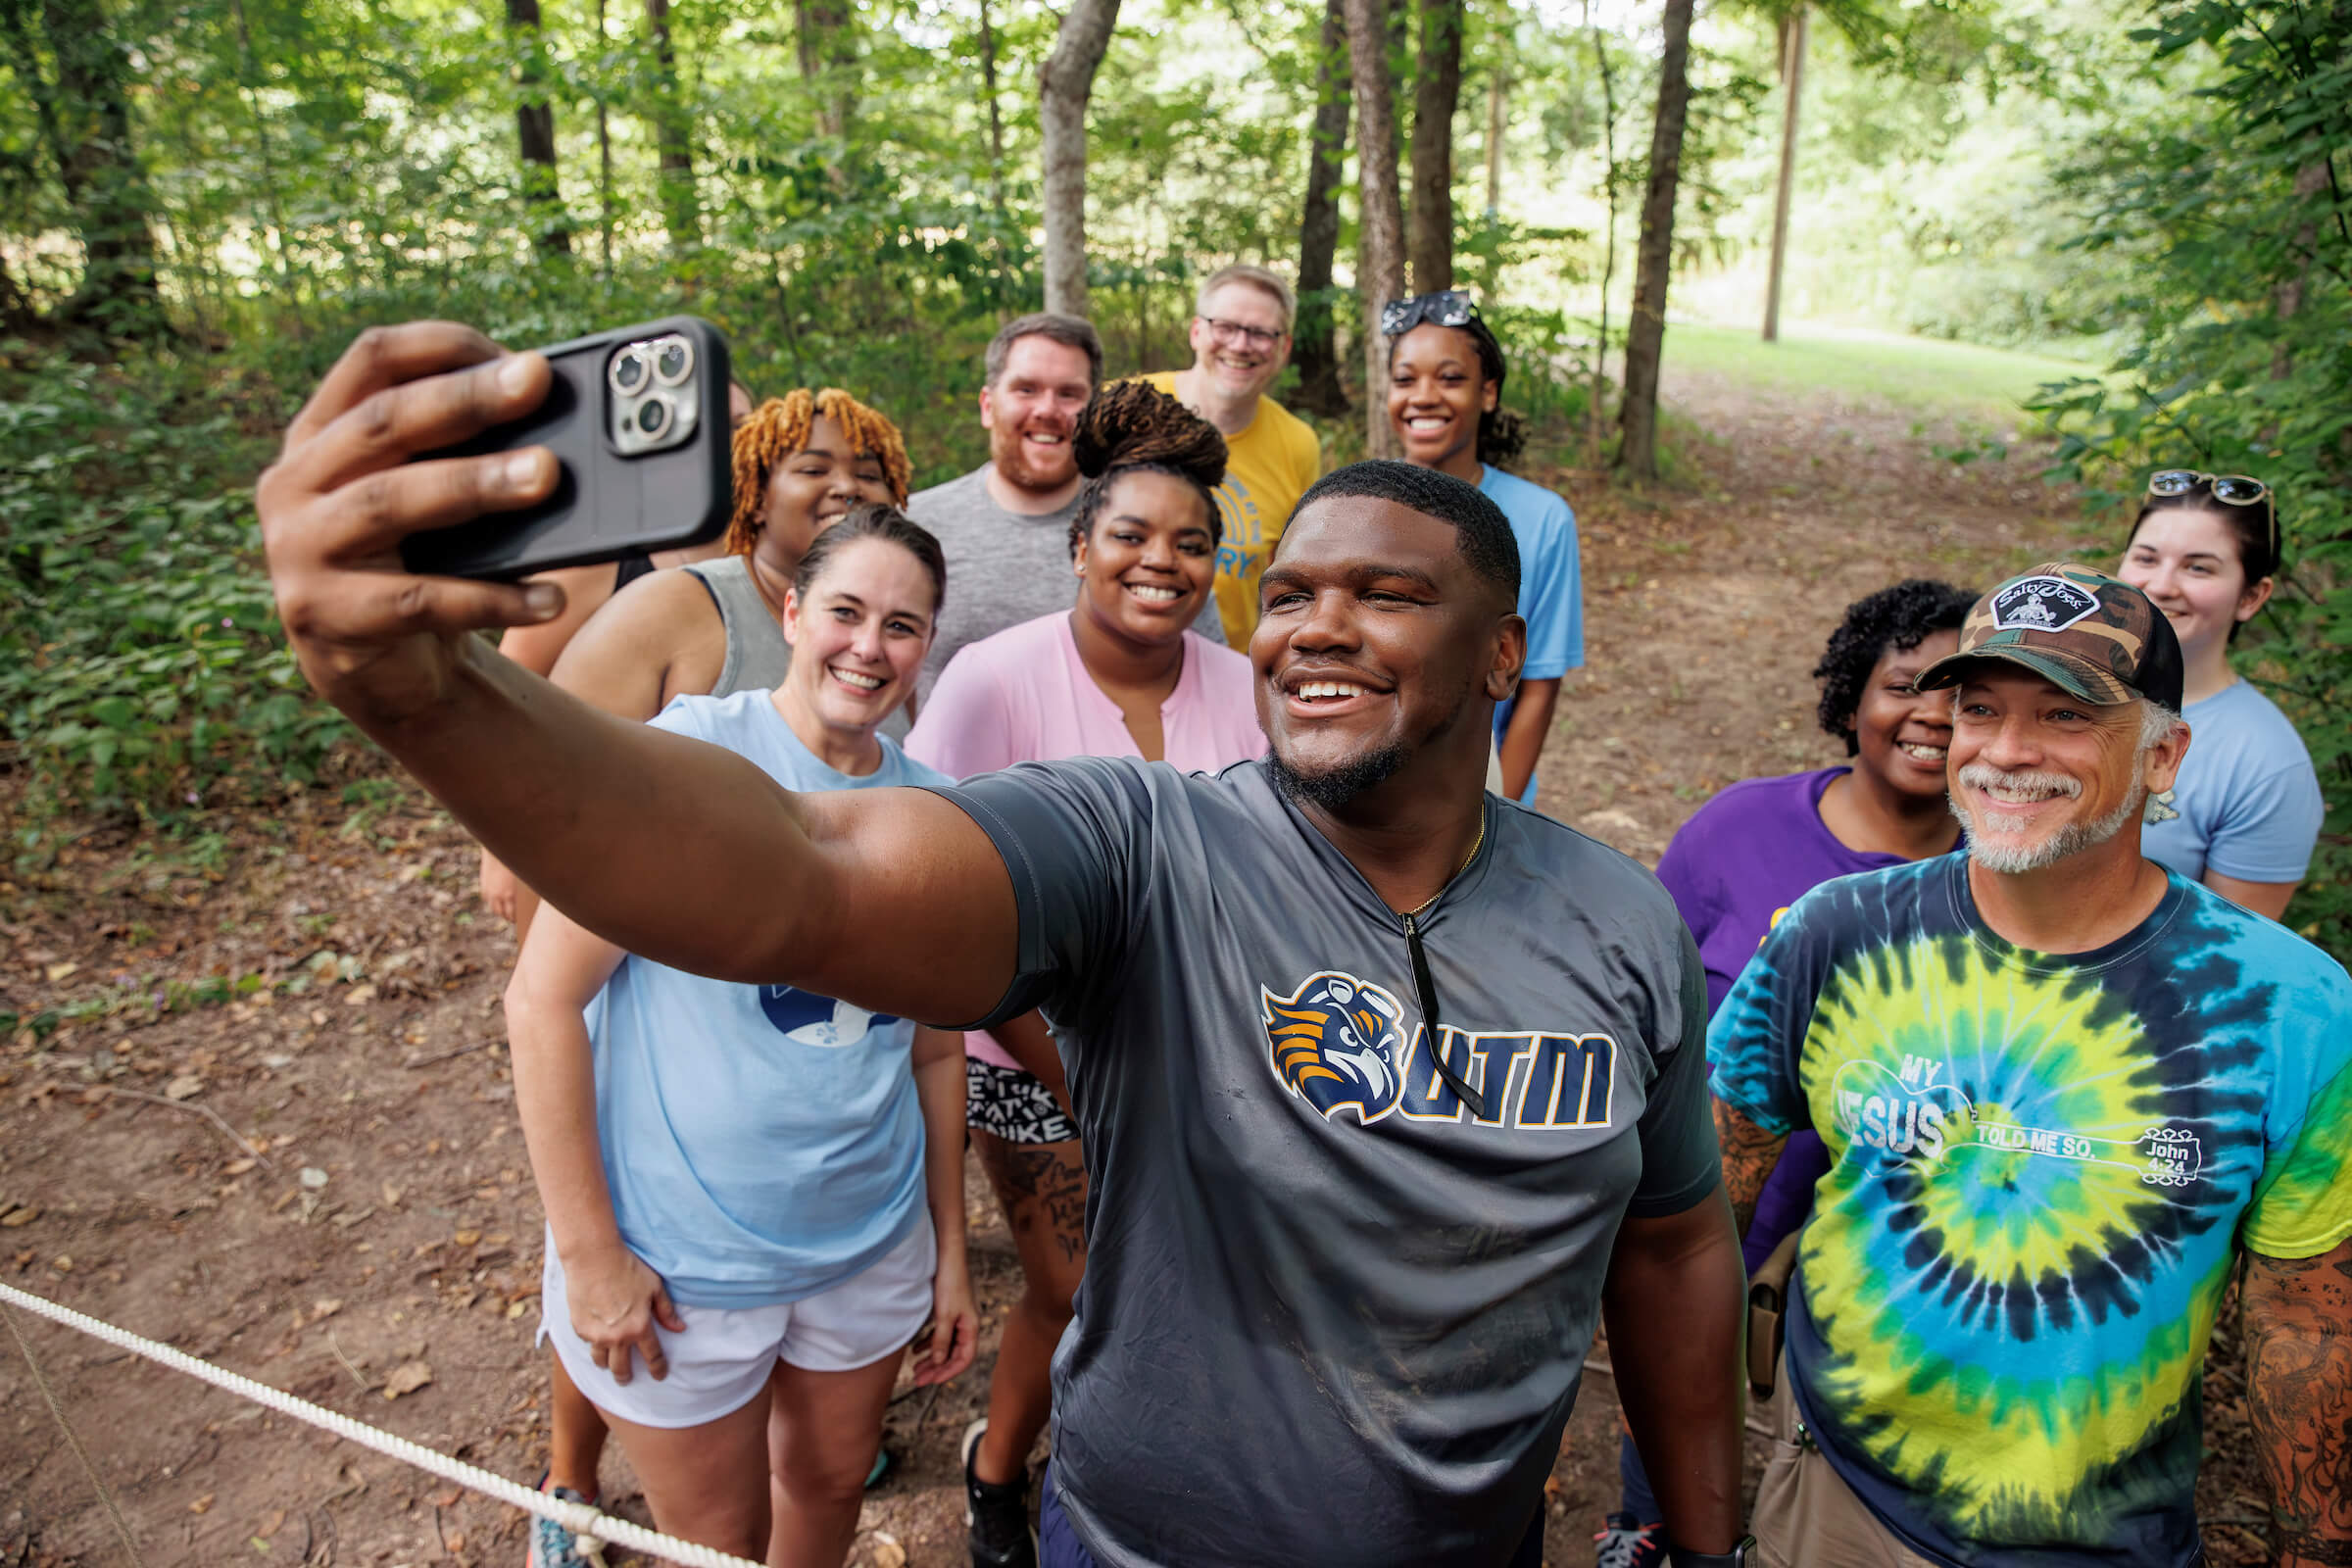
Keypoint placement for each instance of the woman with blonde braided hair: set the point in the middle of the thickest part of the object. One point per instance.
(1119, 673)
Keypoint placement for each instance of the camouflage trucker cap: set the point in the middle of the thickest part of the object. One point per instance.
(2086, 632)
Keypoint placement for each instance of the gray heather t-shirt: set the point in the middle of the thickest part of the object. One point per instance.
(1003, 567)
(1327, 1318)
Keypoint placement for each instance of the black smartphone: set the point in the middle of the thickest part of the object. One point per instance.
(637, 418)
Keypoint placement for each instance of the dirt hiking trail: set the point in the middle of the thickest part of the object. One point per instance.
(381, 1254)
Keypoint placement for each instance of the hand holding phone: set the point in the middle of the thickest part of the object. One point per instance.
(637, 421)
(378, 641)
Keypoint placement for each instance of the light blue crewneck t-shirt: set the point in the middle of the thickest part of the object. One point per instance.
(2248, 798)
(761, 1144)
(1551, 591)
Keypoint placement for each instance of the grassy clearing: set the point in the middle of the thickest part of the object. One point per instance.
(1927, 376)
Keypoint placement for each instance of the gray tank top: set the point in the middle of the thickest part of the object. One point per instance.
(758, 656)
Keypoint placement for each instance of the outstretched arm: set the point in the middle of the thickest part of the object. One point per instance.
(2299, 1400)
(744, 880)
(1674, 1307)
(1749, 1153)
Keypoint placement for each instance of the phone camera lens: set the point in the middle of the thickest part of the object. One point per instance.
(652, 418)
(674, 358)
(630, 370)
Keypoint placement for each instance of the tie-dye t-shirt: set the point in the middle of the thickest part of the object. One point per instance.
(2042, 1167)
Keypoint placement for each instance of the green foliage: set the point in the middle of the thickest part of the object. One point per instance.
(2228, 201)
(139, 661)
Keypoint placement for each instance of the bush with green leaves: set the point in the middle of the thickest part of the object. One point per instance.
(2228, 205)
(140, 664)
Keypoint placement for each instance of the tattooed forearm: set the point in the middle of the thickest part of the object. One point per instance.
(1748, 1154)
(2299, 1400)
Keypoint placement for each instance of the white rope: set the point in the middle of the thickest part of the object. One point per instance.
(580, 1518)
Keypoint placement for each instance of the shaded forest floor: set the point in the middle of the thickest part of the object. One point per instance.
(389, 1236)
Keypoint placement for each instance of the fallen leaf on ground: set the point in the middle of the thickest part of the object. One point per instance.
(407, 1378)
(23, 1217)
(201, 1504)
(187, 1086)
(271, 1525)
(58, 971)
(236, 1167)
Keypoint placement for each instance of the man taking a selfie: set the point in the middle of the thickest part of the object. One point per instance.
(1390, 1089)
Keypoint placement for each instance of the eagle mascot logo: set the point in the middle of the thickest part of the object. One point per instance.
(1337, 1041)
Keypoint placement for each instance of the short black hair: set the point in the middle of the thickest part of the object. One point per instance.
(1483, 531)
(1897, 617)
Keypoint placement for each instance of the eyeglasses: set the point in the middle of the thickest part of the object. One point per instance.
(1257, 337)
(2230, 489)
(1445, 307)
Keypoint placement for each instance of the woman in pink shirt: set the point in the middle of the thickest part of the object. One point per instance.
(1117, 676)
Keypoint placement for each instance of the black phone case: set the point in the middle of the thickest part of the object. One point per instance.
(604, 504)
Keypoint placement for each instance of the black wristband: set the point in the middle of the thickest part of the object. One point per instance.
(1741, 1555)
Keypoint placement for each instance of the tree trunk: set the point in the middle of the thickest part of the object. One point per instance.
(1793, 82)
(1383, 216)
(996, 117)
(535, 132)
(2310, 180)
(1312, 347)
(1437, 93)
(1064, 85)
(1609, 248)
(603, 145)
(1654, 253)
(681, 205)
(828, 52)
(1498, 86)
(98, 167)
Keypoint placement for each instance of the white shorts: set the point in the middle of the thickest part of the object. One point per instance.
(723, 1358)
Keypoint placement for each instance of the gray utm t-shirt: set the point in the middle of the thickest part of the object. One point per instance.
(1003, 567)
(1328, 1320)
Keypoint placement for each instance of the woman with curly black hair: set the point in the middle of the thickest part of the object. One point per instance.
(1446, 376)
(1118, 674)
(1751, 852)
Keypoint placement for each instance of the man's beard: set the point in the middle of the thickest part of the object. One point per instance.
(1334, 787)
(2072, 839)
(1010, 454)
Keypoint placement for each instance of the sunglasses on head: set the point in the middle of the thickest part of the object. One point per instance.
(1445, 307)
(2230, 489)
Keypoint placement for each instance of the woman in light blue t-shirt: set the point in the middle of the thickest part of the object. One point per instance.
(2205, 549)
(754, 1195)
(1446, 374)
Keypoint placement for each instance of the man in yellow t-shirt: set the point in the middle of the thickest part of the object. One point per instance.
(1240, 339)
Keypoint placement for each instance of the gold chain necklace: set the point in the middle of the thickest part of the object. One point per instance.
(1475, 845)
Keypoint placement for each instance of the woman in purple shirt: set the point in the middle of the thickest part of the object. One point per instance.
(1754, 850)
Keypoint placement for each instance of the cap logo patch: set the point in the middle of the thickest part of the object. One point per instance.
(2041, 603)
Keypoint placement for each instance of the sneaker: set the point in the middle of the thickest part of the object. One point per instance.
(997, 1513)
(1627, 1543)
(554, 1547)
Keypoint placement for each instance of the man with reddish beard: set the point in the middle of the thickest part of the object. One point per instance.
(1006, 526)
(1388, 1087)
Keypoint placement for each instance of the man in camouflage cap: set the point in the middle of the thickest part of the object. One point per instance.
(2061, 1089)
